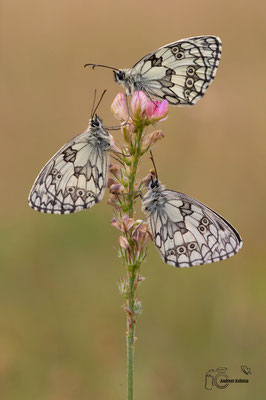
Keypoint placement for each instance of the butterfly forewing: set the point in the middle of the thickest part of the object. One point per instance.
(75, 177)
(188, 233)
(179, 72)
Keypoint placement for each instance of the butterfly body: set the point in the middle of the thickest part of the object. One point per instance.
(185, 231)
(179, 72)
(75, 178)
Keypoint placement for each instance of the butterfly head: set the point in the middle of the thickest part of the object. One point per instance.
(97, 129)
(122, 77)
(96, 122)
(152, 182)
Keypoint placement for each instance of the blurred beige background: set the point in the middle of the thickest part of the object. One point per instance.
(61, 322)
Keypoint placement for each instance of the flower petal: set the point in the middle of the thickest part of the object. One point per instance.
(119, 107)
(157, 110)
(139, 103)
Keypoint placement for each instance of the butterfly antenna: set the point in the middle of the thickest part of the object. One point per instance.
(93, 104)
(100, 65)
(103, 93)
(153, 162)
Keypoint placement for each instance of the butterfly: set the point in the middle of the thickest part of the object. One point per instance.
(179, 72)
(185, 231)
(75, 178)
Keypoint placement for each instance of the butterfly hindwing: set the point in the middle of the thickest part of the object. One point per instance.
(75, 177)
(188, 233)
(179, 72)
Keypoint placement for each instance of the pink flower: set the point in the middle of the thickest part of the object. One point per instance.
(157, 110)
(138, 104)
(119, 107)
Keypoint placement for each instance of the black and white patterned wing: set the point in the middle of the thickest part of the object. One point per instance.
(188, 233)
(73, 180)
(179, 72)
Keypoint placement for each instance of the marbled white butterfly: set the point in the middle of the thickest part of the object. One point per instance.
(179, 72)
(185, 231)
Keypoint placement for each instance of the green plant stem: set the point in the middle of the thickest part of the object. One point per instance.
(131, 323)
(134, 167)
(131, 336)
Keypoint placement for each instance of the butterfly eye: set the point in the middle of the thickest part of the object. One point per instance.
(59, 176)
(175, 50)
(189, 82)
(191, 71)
(54, 171)
(95, 122)
(181, 249)
(205, 221)
(121, 75)
(80, 192)
(154, 184)
(180, 55)
(70, 189)
(187, 93)
(192, 246)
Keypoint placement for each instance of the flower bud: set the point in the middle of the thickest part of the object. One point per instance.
(151, 138)
(110, 182)
(116, 223)
(116, 188)
(127, 223)
(123, 242)
(140, 235)
(115, 170)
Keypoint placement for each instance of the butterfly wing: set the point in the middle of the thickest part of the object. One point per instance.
(179, 72)
(73, 180)
(188, 233)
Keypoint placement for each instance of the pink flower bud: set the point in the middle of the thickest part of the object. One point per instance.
(115, 170)
(116, 188)
(123, 242)
(110, 182)
(138, 104)
(115, 223)
(119, 107)
(140, 235)
(113, 201)
(127, 222)
(157, 110)
(152, 138)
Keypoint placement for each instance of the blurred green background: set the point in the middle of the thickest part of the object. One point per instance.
(62, 328)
